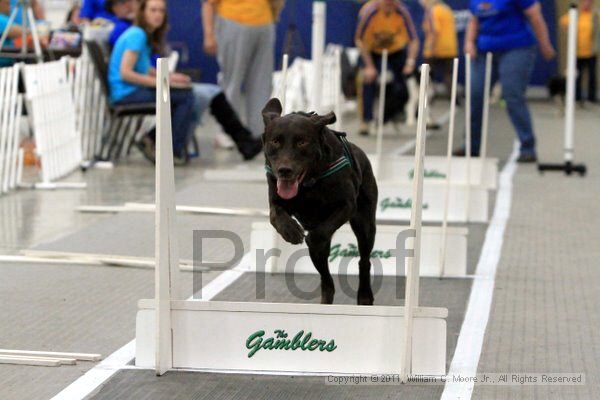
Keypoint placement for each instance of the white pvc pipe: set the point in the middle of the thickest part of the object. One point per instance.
(468, 131)
(284, 74)
(413, 264)
(571, 77)
(318, 48)
(380, 111)
(167, 260)
(486, 109)
(338, 89)
(448, 168)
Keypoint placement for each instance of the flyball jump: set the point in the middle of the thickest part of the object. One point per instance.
(172, 333)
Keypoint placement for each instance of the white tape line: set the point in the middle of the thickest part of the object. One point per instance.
(472, 332)
(96, 376)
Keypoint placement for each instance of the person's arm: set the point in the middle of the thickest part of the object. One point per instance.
(128, 73)
(470, 46)
(534, 14)
(208, 24)
(413, 45)
(14, 32)
(38, 10)
(369, 72)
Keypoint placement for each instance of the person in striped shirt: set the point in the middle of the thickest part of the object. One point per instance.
(385, 25)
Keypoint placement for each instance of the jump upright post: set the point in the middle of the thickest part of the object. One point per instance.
(569, 144)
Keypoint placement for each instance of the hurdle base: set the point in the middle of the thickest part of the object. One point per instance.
(217, 336)
(568, 168)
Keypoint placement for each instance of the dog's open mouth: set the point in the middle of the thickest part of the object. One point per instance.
(288, 188)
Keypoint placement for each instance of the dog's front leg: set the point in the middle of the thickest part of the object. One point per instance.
(319, 246)
(283, 223)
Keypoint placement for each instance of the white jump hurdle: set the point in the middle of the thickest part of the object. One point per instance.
(11, 157)
(58, 142)
(280, 338)
(344, 255)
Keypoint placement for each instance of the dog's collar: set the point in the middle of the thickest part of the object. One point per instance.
(344, 161)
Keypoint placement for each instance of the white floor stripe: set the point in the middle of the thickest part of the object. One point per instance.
(96, 376)
(472, 332)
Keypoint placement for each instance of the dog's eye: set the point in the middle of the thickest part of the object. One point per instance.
(276, 142)
(301, 143)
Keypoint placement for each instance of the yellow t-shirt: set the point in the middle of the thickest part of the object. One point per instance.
(440, 33)
(585, 33)
(379, 31)
(246, 12)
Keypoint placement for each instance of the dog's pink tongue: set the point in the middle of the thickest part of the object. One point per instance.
(287, 188)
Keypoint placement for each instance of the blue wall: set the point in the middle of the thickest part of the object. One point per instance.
(186, 30)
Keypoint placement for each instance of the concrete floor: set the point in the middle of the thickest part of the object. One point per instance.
(92, 309)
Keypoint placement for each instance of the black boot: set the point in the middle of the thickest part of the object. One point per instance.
(226, 116)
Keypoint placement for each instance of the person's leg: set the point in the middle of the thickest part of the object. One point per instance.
(396, 63)
(226, 116)
(182, 116)
(515, 68)
(592, 88)
(204, 93)
(580, 66)
(233, 54)
(182, 109)
(259, 76)
(369, 91)
(477, 89)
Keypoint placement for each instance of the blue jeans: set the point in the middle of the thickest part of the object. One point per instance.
(396, 63)
(513, 68)
(182, 113)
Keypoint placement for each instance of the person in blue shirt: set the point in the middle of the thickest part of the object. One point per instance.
(92, 9)
(509, 29)
(15, 30)
(121, 13)
(132, 80)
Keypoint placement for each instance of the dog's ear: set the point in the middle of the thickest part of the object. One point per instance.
(271, 111)
(323, 120)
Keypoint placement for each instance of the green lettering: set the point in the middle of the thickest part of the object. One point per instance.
(253, 342)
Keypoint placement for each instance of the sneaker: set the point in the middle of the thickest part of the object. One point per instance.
(147, 147)
(527, 158)
(222, 141)
(364, 129)
(180, 160)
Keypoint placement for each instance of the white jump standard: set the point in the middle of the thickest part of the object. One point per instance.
(273, 338)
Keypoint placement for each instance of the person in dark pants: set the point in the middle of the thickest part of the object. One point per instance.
(508, 29)
(588, 44)
(385, 25)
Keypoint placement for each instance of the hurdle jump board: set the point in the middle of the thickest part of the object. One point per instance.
(344, 252)
(294, 338)
(393, 168)
(484, 172)
(395, 202)
(58, 142)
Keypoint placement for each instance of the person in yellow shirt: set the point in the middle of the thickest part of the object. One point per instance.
(241, 33)
(385, 25)
(588, 43)
(440, 46)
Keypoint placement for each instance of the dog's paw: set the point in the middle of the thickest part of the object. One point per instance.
(292, 232)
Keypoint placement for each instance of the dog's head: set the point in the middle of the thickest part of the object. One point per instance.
(294, 145)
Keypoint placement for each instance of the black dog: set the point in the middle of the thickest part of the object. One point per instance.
(323, 181)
